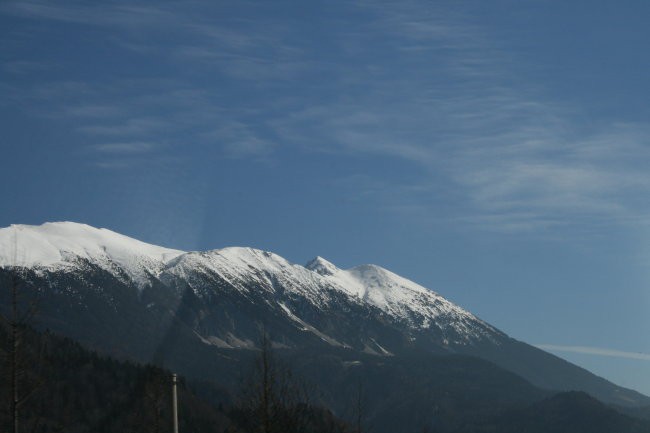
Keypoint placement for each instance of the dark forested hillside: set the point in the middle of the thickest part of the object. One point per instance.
(568, 412)
(78, 391)
(75, 390)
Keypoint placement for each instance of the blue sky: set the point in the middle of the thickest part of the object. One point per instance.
(496, 152)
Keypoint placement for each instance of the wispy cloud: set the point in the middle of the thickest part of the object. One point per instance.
(134, 147)
(239, 139)
(411, 82)
(123, 14)
(114, 165)
(93, 111)
(517, 161)
(131, 127)
(144, 110)
(21, 67)
(597, 351)
(245, 51)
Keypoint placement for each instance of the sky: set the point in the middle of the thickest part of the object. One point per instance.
(496, 152)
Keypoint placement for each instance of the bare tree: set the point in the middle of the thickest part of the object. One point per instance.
(17, 320)
(359, 407)
(155, 402)
(277, 401)
(151, 403)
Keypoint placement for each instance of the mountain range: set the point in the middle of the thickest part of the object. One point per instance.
(202, 313)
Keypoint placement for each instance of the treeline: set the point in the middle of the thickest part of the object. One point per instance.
(75, 390)
(567, 412)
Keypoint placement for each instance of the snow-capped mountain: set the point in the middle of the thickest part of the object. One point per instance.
(202, 310)
(67, 246)
(62, 245)
(321, 284)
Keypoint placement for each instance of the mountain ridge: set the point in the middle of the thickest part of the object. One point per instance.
(214, 303)
(372, 284)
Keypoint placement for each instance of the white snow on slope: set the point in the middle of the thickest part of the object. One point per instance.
(398, 296)
(246, 267)
(307, 327)
(60, 244)
(318, 281)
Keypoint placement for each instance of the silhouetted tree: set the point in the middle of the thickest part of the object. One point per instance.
(274, 400)
(358, 407)
(19, 355)
(150, 414)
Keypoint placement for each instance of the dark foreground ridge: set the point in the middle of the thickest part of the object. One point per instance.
(80, 391)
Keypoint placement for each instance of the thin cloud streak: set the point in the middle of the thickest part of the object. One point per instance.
(114, 14)
(511, 160)
(137, 147)
(597, 351)
(520, 162)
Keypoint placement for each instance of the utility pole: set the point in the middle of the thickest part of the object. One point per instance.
(175, 403)
(15, 401)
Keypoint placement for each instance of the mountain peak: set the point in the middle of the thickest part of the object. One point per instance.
(321, 266)
(61, 243)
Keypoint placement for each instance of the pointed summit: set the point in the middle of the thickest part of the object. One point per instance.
(321, 266)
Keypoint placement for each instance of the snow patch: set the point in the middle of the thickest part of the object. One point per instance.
(230, 341)
(308, 327)
(381, 348)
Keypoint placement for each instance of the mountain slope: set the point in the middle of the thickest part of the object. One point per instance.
(570, 412)
(79, 391)
(145, 302)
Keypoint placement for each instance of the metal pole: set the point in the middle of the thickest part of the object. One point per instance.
(14, 335)
(14, 354)
(175, 403)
